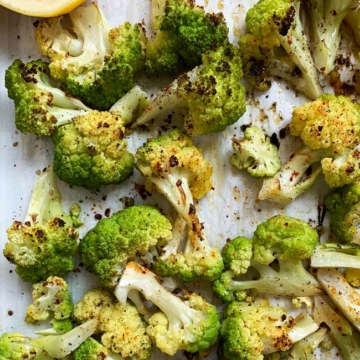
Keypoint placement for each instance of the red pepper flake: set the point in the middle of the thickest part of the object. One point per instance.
(98, 216)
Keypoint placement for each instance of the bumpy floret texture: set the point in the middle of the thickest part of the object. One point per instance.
(173, 152)
(284, 238)
(185, 33)
(91, 151)
(105, 249)
(216, 98)
(41, 251)
(342, 170)
(328, 122)
(237, 255)
(50, 298)
(344, 207)
(121, 327)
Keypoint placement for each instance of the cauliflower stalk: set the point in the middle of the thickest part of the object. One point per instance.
(341, 332)
(345, 297)
(44, 243)
(326, 17)
(191, 324)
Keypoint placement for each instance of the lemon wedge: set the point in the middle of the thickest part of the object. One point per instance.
(41, 8)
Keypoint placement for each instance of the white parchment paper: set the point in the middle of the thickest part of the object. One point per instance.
(231, 209)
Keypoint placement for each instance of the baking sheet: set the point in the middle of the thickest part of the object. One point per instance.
(231, 209)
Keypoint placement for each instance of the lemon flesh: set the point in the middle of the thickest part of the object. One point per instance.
(41, 8)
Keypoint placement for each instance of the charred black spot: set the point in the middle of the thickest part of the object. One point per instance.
(282, 133)
(284, 23)
(274, 140)
(244, 127)
(296, 72)
(192, 209)
(223, 66)
(58, 222)
(350, 169)
(40, 234)
(173, 161)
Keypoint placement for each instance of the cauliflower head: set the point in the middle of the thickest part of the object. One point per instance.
(92, 151)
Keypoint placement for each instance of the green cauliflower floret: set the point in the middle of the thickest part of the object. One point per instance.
(172, 158)
(179, 171)
(197, 261)
(277, 46)
(120, 325)
(92, 151)
(191, 324)
(251, 330)
(344, 207)
(328, 122)
(183, 33)
(15, 346)
(50, 298)
(283, 238)
(330, 129)
(98, 64)
(212, 94)
(40, 104)
(93, 350)
(255, 154)
(106, 248)
(342, 170)
(45, 243)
